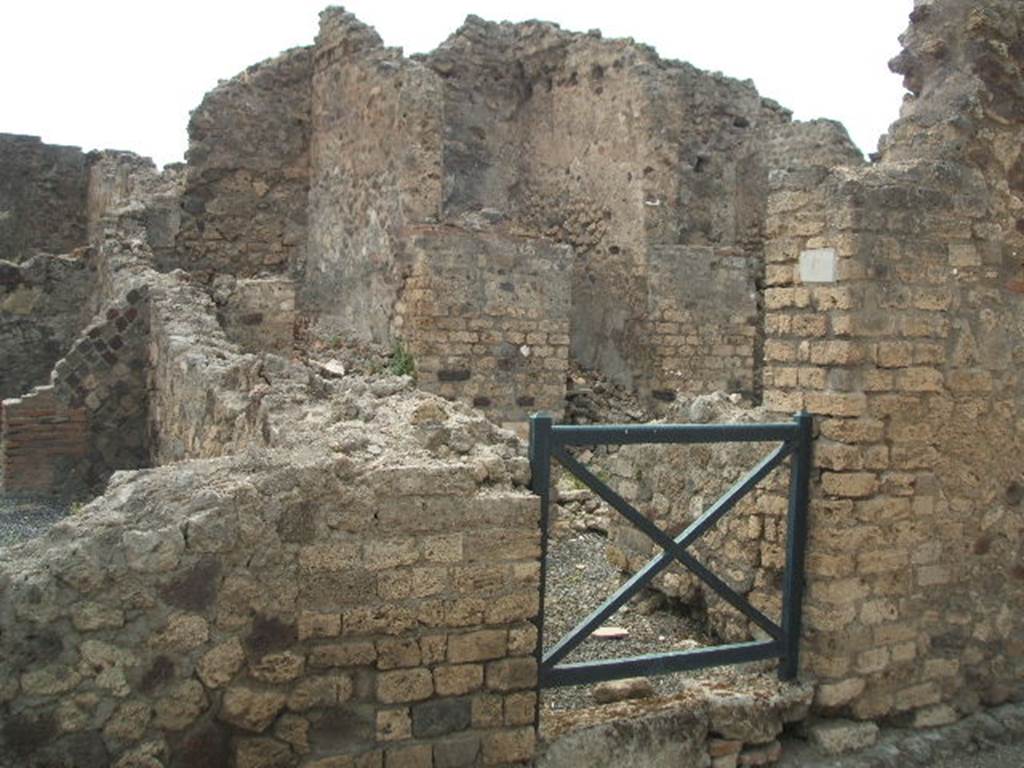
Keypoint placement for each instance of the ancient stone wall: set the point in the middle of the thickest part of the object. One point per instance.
(579, 139)
(98, 394)
(42, 197)
(702, 322)
(257, 314)
(243, 209)
(895, 315)
(119, 182)
(43, 303)
(485, 318)
(375, 167)
(358, 633)
(200, 383)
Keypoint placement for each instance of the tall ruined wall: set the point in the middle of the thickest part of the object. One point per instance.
(375, 167)
(42, 197)
(580, 140)
(902, 332)
(243, 209)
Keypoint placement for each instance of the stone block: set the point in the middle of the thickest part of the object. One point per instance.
(508, 746)
(621, 690)
(512, 674)
(394, 724)
(459, 679)
(415, 756)
(837, 694)
(440, 717)
(249, 708)
(457, 751)
(760, 754)
(477, 646)
(404, 685)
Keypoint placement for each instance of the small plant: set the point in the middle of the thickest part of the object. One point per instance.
(401, 363)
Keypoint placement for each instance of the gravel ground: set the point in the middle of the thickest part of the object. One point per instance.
(24, 517)
(1008, 756)
(579, 578)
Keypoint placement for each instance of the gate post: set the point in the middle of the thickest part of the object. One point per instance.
(540, 484)
(796, 543)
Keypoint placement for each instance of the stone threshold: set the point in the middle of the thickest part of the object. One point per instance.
(910, 747)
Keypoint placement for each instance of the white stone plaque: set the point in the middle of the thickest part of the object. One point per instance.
(818, 265)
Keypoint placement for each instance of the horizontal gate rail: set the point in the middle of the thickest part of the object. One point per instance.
(547, 442)
(661, 663)
(631, 434)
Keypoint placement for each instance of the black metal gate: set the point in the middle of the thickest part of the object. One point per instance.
(548, 441)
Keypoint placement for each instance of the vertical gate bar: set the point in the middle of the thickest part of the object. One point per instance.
(796, 543)
(540, 484)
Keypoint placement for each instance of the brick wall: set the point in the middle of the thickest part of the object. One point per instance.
(908, 362)
(43, 443)
(485, 317)
(702, 325)
(100, 387)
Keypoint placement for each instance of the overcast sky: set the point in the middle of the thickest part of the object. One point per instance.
(124, 75)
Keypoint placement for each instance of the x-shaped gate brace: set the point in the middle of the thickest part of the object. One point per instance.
(548, 441)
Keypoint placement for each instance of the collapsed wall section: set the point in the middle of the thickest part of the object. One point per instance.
(69, 436)
(42, 197)
(42, 309)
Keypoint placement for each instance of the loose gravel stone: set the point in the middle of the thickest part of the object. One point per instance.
(25, 517)
(580, 578)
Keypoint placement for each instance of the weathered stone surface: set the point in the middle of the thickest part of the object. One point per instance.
(253, 709)
(180, 706)
(440, 717)
(218, 666)
(621, 690)
(835, 737)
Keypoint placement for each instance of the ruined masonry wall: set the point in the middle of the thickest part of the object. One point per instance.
(98, 395)
(485, 318)
(358, 634)
(43, 442)
(257, 314)
(909, 361)
(243, 210)
(375, 167)
(42, 197)
(204, 395)
(42, 308)
(702, 322)
(911, 358)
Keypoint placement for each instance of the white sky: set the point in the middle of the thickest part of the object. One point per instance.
(124, 75)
